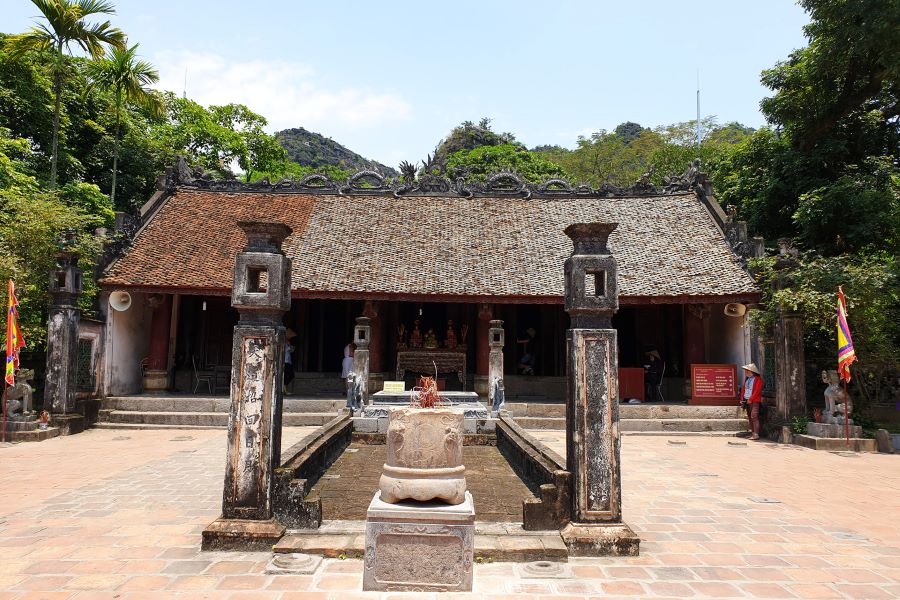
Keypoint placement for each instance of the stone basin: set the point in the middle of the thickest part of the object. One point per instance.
(424, 456)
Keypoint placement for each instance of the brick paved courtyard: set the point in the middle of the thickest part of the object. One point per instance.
(112, 514)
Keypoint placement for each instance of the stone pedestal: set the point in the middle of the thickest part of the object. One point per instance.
(419, 546)
(156, 382)
(592, 407)
(261, 294)
(833, 430)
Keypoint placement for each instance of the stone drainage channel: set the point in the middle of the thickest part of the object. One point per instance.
(340, 468)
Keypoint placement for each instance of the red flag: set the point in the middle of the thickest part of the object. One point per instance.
(846, 354)
(14, 339)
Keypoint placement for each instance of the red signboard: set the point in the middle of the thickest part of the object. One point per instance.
(714, 382)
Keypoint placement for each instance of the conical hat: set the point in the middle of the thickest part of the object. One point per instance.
(752, 368)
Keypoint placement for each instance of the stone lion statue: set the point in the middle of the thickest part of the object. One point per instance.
(835, 408)
(18, 396)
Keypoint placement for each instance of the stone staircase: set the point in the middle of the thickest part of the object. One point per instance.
(643, 419)
(202, 412)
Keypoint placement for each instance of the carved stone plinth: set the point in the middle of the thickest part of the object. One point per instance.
(241, 534)
(156, 381)
(833, 430)
(419, 547)
(424, 456)
(615, 539)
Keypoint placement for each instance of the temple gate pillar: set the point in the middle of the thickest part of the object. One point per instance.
(790, 360)
(156, 376)
(592, 399)
(371, 309)
(261, 293)
(62, 331)
(362, 335)
(482, 349)
(496, 395)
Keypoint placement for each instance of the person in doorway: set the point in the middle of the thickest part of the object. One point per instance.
(347, 363)
(289, 349)
(654, 369)
(751, 397)
(529, 347)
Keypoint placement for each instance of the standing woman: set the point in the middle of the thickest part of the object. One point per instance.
(751, 396)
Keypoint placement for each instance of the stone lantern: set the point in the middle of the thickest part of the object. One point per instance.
(62, 329)
(592, 402)
(362, 334)
(261, 293)
(496, 337)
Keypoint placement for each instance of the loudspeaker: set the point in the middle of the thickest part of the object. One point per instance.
(735, 310)
(120, 301)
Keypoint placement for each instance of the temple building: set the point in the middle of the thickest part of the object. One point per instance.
(430, 262)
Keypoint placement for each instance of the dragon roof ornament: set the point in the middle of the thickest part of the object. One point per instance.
(428, 181)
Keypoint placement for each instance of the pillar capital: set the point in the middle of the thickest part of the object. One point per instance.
(591, 288)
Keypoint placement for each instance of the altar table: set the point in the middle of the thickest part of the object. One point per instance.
(426, 360)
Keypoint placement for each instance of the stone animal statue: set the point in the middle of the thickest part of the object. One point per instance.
(354, 392)
(499, 397)
(835, 409)
(18, 397)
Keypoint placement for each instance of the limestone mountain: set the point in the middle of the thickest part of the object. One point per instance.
(311, 149)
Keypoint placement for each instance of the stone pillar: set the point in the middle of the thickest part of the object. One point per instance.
(261, 293)
(156, 377)
(496, 395)
(62, 331)
(592, 407)
(482, 349)
(362, 336)
(371, 309)
(790, 361)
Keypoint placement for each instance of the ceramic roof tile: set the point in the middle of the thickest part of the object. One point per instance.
(667, 246)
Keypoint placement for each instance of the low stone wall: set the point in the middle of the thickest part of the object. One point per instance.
(301, 467)
(541, 469)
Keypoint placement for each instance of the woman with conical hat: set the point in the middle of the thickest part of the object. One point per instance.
(751, 396)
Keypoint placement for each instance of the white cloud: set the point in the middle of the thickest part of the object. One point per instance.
(286, 93)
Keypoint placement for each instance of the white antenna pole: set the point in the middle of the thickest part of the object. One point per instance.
(184, 93)
(698, 108)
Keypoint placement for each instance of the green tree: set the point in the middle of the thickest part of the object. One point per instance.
(469, 136)
(66, 25)
(484, 161)
(851, 66)
(120, 72)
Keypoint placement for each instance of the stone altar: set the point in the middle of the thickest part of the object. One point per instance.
(420, 525)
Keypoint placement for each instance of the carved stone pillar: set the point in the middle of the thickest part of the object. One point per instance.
(592, 407)
(361, 337)
(156, 377)
(495, 367)
(261, 293)
(790, 361)
(62, 331)
(372, 310)
(482, 349)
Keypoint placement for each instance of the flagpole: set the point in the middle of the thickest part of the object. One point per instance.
(3, 429)
(846, 415)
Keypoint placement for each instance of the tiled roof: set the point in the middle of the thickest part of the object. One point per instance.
(352, 246)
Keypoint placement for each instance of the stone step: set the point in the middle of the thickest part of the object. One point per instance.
(645, 425)
(632, 411)
(204, 419)
(32, 435)
(742, 433)
(543, 545)
(212, 404)
(149, 426)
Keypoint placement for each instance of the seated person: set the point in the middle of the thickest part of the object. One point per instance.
(529, 347)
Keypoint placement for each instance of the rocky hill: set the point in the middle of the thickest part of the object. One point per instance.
(311, 149)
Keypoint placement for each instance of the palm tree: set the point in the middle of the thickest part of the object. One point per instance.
(66, 25)
(121, 73)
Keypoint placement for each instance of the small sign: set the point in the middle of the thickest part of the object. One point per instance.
(714, 381)
(394, 386)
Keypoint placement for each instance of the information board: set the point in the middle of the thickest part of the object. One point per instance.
(394, 386)
(714, 382)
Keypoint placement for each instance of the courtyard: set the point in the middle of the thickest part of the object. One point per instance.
(118, 514)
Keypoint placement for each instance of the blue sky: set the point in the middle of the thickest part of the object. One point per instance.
(389, 79)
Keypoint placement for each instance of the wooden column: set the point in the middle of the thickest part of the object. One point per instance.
(482, 348)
